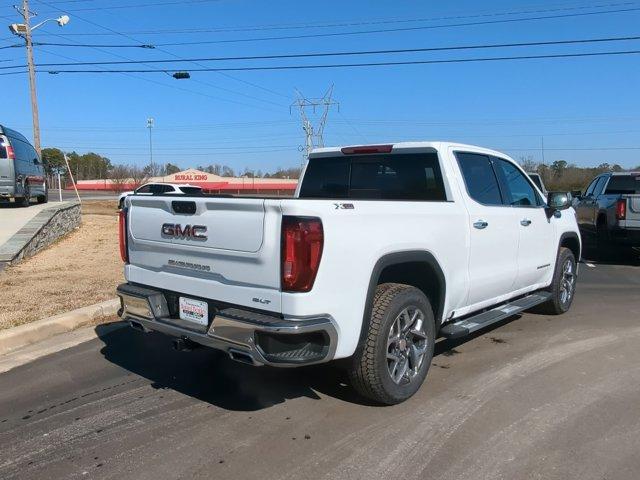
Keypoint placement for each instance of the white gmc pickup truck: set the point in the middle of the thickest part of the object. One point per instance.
(384, 249)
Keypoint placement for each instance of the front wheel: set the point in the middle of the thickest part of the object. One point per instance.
(395, 358)
(44, 198)
(564, 284)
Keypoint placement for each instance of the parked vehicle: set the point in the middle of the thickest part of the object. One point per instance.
(609, 211)
(385, 248)
(160, 188)
(537, 179)
(22, 175)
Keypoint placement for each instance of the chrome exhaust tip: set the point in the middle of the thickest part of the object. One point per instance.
(240, 356)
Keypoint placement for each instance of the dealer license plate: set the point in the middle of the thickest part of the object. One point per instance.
(195, 311)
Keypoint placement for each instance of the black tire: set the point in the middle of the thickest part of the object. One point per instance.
(44, 198)
(370, 367)
(25, 201)
(560, 303)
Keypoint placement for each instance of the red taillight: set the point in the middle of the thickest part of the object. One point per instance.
(122, 234)
(367, 149)
(302, 242)
(621, 209)
(11, 155)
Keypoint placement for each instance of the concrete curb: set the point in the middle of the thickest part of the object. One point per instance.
(23, 335)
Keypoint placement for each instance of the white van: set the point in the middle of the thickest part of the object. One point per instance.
(22, 175)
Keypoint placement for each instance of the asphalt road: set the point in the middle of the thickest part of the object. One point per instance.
(536, 397)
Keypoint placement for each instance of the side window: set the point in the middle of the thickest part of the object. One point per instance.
(518, 189)
(480, 178)
(597, 190)
(592, 185)
(144, 189)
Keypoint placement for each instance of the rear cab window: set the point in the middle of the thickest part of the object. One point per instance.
(394, 176)
(623, 185)
(191, 190)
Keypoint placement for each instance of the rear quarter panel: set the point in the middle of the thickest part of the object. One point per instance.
(355, 239)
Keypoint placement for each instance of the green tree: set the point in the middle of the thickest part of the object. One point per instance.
(53, 159)
(558, 167)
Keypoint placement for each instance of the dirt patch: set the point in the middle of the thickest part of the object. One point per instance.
(79, 270)
(100, 207)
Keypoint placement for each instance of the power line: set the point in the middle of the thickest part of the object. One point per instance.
(170, 53)
(354, 65)
(352, 53)
(138, 5)
(392, 30)
(175, 87)
(354, 23)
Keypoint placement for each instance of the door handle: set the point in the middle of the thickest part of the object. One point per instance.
(480, 224)
(525, 222)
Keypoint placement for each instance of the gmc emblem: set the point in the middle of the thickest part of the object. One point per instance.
(176, 230)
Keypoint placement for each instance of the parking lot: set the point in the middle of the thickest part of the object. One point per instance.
(534, 397)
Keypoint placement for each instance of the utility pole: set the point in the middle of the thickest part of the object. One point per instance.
(150, 122)
(26, 15)
(314, 134)
(25, 30)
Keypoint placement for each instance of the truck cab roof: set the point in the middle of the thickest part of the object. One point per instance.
(404, 146)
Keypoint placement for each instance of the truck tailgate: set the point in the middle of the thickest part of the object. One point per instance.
(633, 211)
(234, 254)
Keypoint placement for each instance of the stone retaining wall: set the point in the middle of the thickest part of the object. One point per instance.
(42, 230)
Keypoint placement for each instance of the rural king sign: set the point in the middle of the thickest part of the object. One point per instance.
(190, 177)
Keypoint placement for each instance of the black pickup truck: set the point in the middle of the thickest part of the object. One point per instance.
(609, 211)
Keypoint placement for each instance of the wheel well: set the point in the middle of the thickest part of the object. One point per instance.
(572, 243)
(421, 275)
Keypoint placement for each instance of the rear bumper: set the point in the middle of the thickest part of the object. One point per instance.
(246, 336)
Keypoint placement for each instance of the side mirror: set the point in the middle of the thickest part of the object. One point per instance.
(557, 201)
(576, 194)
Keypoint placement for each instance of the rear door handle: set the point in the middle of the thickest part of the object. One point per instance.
(525, 222)
(480, 224)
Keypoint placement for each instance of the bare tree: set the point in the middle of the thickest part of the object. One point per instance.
(120, 178)
(138, 176)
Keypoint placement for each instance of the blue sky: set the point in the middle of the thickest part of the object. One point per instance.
(586, 109)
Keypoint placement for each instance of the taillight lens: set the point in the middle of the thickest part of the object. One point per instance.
(122, 234)
(621, 209)
(11, 155)
(302, 242)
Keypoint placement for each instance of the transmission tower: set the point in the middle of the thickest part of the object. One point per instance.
(313, 113)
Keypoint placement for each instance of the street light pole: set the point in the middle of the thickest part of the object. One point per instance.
(32, 76)
(24, 30)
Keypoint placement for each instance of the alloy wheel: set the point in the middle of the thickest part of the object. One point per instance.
(407, 345)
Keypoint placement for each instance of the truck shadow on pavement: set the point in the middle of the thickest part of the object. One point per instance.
(212, 377)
